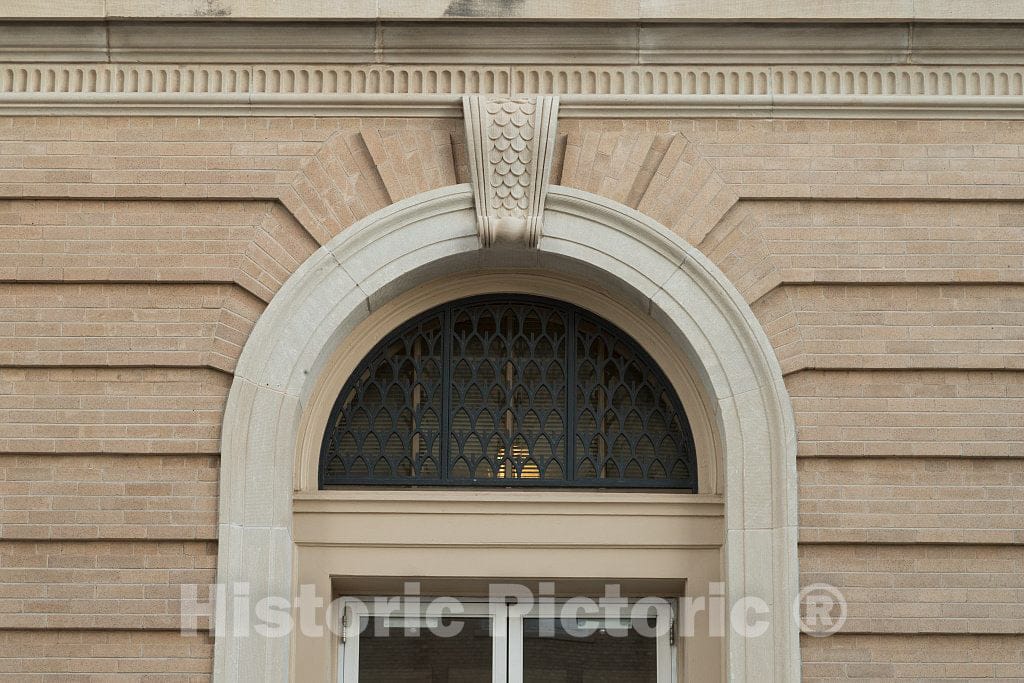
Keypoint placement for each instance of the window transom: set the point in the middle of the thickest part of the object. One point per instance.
(508, 390)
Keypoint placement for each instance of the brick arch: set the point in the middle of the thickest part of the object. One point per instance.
(356, 172)
(663, 175)
(666, 176)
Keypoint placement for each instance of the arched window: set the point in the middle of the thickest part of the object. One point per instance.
(508, 390)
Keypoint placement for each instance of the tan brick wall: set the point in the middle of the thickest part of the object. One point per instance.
(844, 241)
(257, 244)
(111, 409)
(101, 584)
(921, 588)
(905, 326)
(884, 259)
(123, 656)
(908, 413)
(410, 162)
(662, 175)
(47, 496)
(908, 500)
(914, 657)
(125, 324)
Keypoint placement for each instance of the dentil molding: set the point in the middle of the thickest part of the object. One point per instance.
(585, 91)
(510, 142)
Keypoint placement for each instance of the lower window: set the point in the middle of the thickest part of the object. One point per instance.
(448, 641)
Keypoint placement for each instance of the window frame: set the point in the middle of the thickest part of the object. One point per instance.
(506, 643)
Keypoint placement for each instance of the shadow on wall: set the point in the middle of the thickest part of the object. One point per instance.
(485, 8)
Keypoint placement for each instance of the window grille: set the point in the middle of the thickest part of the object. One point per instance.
(506, 391)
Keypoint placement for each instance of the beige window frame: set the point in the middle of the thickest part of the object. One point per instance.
(507, 633)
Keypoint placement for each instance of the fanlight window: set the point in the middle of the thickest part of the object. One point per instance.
(508, 391)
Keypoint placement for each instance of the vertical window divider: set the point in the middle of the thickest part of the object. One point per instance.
(514, 646)
(447, 389)
(571, 372)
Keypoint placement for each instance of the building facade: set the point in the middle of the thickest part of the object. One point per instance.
(345, 301)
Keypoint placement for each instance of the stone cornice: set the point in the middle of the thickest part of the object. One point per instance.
(586, 91)
(504, 43)
(654, 10)
(624, 68)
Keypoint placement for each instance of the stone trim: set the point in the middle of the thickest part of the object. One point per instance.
(751, 10)
(585, 91)
(510, 143)
(432, 234)
(503, 43)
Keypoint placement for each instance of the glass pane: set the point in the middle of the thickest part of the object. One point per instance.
(554, 654)
(390, 655)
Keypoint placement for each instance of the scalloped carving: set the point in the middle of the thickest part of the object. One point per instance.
(511, 144)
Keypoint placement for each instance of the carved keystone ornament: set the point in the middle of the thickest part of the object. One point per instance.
(510, 143)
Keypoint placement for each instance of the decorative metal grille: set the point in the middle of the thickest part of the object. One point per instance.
(508, 391)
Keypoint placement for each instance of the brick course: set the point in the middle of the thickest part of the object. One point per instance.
(125, 324)
(101, 584)
(257, 244)
(845, 241)
(909, 499)
(922, 588)
(908, 412)
(905, 326)
(127, 410)
(125, 496)
(914, 657)
(33, 656)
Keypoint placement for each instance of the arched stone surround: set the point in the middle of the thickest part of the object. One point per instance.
(432, 234)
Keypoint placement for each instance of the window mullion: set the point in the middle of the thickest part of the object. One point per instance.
(446, 391)
(571, 372)
(514, 646)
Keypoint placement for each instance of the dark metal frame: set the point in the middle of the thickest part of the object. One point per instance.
(573, 316)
